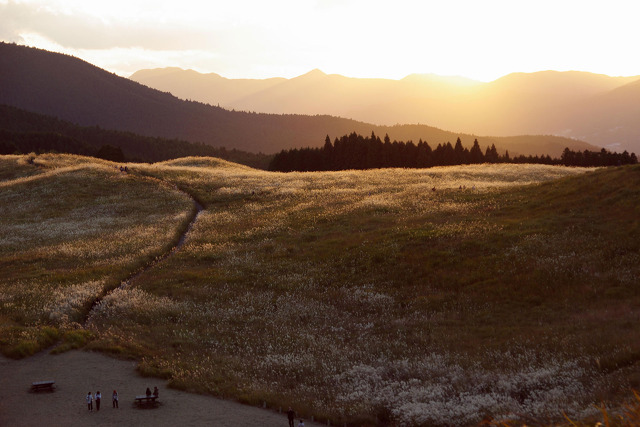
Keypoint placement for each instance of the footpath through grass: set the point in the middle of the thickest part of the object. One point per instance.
(510, 292)
(71, 229)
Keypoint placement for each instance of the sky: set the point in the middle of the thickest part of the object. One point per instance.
(478, 39)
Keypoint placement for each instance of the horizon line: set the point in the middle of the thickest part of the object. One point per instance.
(446, 76)
(200, 70)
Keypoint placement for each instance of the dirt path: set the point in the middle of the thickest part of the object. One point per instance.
(198, 208)
(78, 372)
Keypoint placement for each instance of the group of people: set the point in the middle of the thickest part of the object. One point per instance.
(114, 398)
(156, 393)
(98, 398)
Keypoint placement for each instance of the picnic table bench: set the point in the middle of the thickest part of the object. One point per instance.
(42, 385)
(143, 399)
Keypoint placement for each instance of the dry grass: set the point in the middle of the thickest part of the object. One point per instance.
(70, 233)
(367, 297)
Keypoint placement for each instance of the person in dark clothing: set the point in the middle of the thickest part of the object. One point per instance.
(148, 392)
(291, 415)
(155, 391)
(98, 398)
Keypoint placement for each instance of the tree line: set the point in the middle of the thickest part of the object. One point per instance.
(354, 151)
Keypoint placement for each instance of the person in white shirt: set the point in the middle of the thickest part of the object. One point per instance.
(89, 401)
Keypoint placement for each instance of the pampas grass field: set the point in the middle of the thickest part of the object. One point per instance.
(442, 296)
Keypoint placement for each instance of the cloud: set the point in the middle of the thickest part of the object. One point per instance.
(360, 38)
(86, 31)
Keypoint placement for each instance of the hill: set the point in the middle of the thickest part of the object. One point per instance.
(609, 119)
(209, 88)
(574, 104)
(24, 132)
(351, 296)
(70, 89)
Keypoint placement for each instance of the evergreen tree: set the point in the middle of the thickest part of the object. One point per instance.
(459, 153)
(476, 152)
(491, 155)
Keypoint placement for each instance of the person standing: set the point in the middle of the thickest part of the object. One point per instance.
(98, 398)
(89, 401)
(156, 393)
(114, 399)
(291, 415)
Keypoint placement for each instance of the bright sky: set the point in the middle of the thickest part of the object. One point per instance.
(480, 39)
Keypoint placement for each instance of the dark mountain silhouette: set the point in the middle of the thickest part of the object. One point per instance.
(591, 107)
(71, 89)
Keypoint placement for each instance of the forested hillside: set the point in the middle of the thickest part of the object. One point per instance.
(25, 132)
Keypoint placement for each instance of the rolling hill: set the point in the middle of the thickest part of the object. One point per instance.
(513, 298)
(74, 90)
(592, 107)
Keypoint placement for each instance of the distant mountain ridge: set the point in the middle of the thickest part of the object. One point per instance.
(71, 89)
(593, 107)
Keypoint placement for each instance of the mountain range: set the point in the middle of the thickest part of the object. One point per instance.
(71, 89)
(596, 108)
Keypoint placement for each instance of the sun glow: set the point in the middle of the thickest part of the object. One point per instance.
(356, 38)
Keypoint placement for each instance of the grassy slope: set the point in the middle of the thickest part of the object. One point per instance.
(330, 290)
(364, 295)
(70, 229)
(14, 167)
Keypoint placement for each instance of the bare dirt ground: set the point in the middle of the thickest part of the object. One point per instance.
(78, 372)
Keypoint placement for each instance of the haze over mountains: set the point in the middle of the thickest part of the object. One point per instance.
(74, 90)
(596, 108)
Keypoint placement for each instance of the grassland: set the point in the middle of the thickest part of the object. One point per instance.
(71, 229)
(509, 292)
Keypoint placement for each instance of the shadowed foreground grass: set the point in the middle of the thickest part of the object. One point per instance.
(509, 293)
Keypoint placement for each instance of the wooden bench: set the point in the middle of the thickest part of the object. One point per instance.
(43, 386)
(144, 399)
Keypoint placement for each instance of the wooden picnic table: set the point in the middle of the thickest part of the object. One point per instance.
(43, 385)
(143, 398)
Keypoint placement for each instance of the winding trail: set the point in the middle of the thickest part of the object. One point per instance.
(75, 372)
(198, 208)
